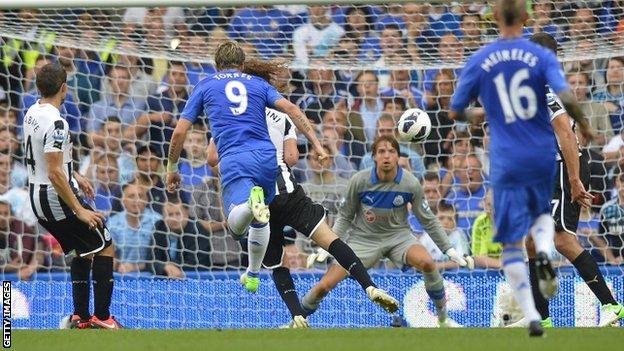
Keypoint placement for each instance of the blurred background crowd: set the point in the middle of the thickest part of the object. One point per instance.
(354, 70)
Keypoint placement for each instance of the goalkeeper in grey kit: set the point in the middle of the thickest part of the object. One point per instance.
(376, 209)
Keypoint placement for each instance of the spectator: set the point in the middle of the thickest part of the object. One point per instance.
(431, 190)
(110, 142)
(349, 141)
(386, 125)
(142, 81)
(587, 234)
(596, 113)
(179, 244)
(321, 94)
(359, 21)
(472, 36)
(119, 103)
(393, 52)
(17, 196)
(140, 15)
(486, 253)
(194, 168)
(393, 17)
(450, 51)
(20, 250)
(448, 219)
(401, 85)
(10, 145)
(595, 67)
(468, 195)
(325, 186)
(8, 116)
(482, 150)
(107, 187)
(441, 125)
(149, 164)
(342, 166)
(612, 222)
(613, 94)
(69, 110)
(368, 103)
(583, 24)
(163, 109)
(417, 28)
(393, 106)
(317, 37)
(268, 29)
(542, 20)
(194, 45)
(90, 69)
(132, 229)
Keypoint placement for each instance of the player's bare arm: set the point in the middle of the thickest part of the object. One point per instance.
(58, 178)
(212, 157)
(301, 122)
(84, 185)
(177, 142)
(569, 149)
(574, 110)
(475, 115)
(291, 154)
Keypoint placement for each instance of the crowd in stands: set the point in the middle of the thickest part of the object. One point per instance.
(122, 108)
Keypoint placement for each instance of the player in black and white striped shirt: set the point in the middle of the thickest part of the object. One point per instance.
(55, 201)
(292, 207)
(568, 196)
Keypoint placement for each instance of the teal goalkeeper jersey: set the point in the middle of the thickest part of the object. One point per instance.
(377, 210)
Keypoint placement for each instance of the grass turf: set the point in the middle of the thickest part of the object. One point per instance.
(320, 339)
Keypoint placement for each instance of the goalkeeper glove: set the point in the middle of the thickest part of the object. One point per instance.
(466, 261)
(319, 256)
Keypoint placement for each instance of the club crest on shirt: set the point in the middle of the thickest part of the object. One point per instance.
(398, 200)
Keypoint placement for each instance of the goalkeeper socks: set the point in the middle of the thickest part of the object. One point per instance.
(349, 261)
(518, 278)
(588, 270)
(239, 219)
(80, 270)
(540, 302)
(286, 288)
(434, 286)
(257, 243)
(543, 233)
(102, 285)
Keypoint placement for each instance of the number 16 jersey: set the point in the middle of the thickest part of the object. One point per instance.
(510, 77)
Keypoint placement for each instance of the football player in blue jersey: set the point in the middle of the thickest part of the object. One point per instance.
(234, 104)
(510, 77)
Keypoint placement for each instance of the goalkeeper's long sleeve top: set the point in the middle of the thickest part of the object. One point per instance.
(377, 210)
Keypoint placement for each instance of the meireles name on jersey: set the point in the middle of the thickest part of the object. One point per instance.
(508, 55)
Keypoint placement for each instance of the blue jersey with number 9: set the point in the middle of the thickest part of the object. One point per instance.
(510, 77)
(234, 104)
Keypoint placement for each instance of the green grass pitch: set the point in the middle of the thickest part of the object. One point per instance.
(584, 339)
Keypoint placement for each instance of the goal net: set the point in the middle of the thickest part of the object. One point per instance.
(353, 70)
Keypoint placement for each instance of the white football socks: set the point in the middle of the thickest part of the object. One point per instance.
(257, 243)
(517, 276)
(543, 233)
